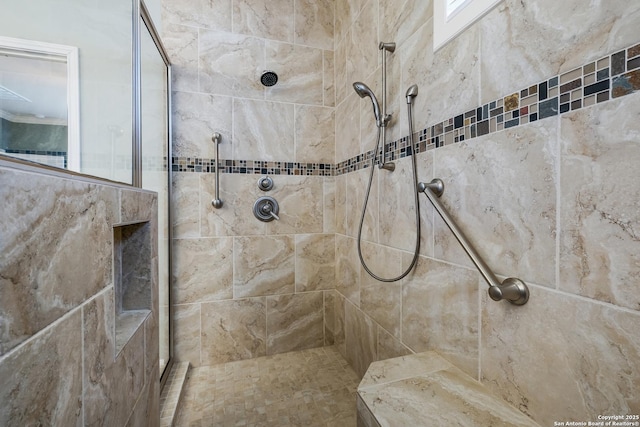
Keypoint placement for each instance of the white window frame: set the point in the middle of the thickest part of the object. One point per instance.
(451, 17)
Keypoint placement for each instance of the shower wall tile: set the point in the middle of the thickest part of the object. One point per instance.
(515, 224)
(330, 331)
(563, 40)
(329, 78)
(348, 128)
(347, 268)
(231, 64)
(186, 335)
(270, 19)
(294, 322)
(42, 380)
(196, 117)
(69, 221)
(584, 363)
(382, 301)
(315, 262)
(233, 330)
(193, 281)
(314, 23)
(449, 326)
(185, 199)
(389, 347)
(360, 339)
(356, 191)
(329, 205)
(362, 48)
(340, 71)
(300, 73)
(600, 242)
(300, 202)
(214, 14)
(339, 327)
(263, 130)
(315, 134)
(263, 265)
(341, 204)
(181, 43)
(400, 19)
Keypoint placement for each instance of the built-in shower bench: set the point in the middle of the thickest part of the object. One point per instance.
(426, 390)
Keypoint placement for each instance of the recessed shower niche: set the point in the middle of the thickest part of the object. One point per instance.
(132, 278)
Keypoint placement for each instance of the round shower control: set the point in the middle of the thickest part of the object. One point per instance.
(266, 209)
(265, 183)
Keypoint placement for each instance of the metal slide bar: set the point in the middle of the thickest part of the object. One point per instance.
(217, 203)
(512, 289)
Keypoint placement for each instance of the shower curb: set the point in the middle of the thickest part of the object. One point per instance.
(172, 394)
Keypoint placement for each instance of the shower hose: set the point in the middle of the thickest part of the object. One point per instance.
(416, 252)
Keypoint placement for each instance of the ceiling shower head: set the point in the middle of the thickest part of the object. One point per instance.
(363, 90)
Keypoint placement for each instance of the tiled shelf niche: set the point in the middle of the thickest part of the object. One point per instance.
(132, 275)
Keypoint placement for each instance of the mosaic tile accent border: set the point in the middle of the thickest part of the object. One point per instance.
(608, 78)
(53, 158)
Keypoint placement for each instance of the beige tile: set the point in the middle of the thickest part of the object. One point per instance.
(329, 317)
(599, 244)
(294, 322)
(263, 130)
(329, 78)
(186, 334)
(339, 328)
(300, 75)
(301, 209)
(181, 43)
(389, 347)
(357, 184)
(315, 262)
(340, 71)
(215, 14)
(233, 330)
(329, 205)
(362, 50)
(193, 280)
(398, 20)
(186, 205)
(263, 265)
(315, 134)
(314, 23)
(360, 339)
(562, 358)
(347, 268)
(271, 19)
(450, 326)
(341, 204)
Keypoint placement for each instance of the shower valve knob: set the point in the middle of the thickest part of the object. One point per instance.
(265, 183)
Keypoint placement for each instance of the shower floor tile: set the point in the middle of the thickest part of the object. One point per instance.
(308, 388)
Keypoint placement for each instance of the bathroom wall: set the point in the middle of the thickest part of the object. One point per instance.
(58, 359)
(541, 179)
(244, 288)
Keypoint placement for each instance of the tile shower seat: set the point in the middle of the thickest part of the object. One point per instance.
(426, 390)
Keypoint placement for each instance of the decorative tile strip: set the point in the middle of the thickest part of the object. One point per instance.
(608, 78)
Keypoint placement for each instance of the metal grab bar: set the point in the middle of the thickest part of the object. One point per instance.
(512, 289)
(217, 203)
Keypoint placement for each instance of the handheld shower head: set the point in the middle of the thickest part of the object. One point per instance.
(412, 92)
(363, 90)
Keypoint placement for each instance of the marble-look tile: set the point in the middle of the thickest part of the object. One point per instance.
(300, 75)
(181, 43)
(215, 14)
(314, 23)
(340, 72)
(70, 222)
(42, 380)
(329, 204)
(440, 312)
(151, 345)
(360, 339)
(193, 280)
(381, 300)
(315, 134)
(399, 19)
(263, 265)
(357, 184)
(328, 57)
(339, 328)
(185, 197)
(562, 358)
(231, 64)
(427, 212)
(509, 215)
(263, 130)
(233, 330)
(196, 117)
(147, 409)
(112, 383)
(270, 19)
(600, 189)
(348, 268)
(362, 49)
(341, 204)
(448, 81)
(398, 227)
(329, 317)
(401, 368)
(315, 262)
(548, 38)
(186, 334)
(138, 206)
(294, 322)
(300, 205)
(239, 193)
(133, 267)
(389, 347)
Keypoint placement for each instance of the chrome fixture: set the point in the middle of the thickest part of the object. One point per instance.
(511, 289)
(363, 90)
(269, 78)
(217, 203)
(265, 183)
(266, 209)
